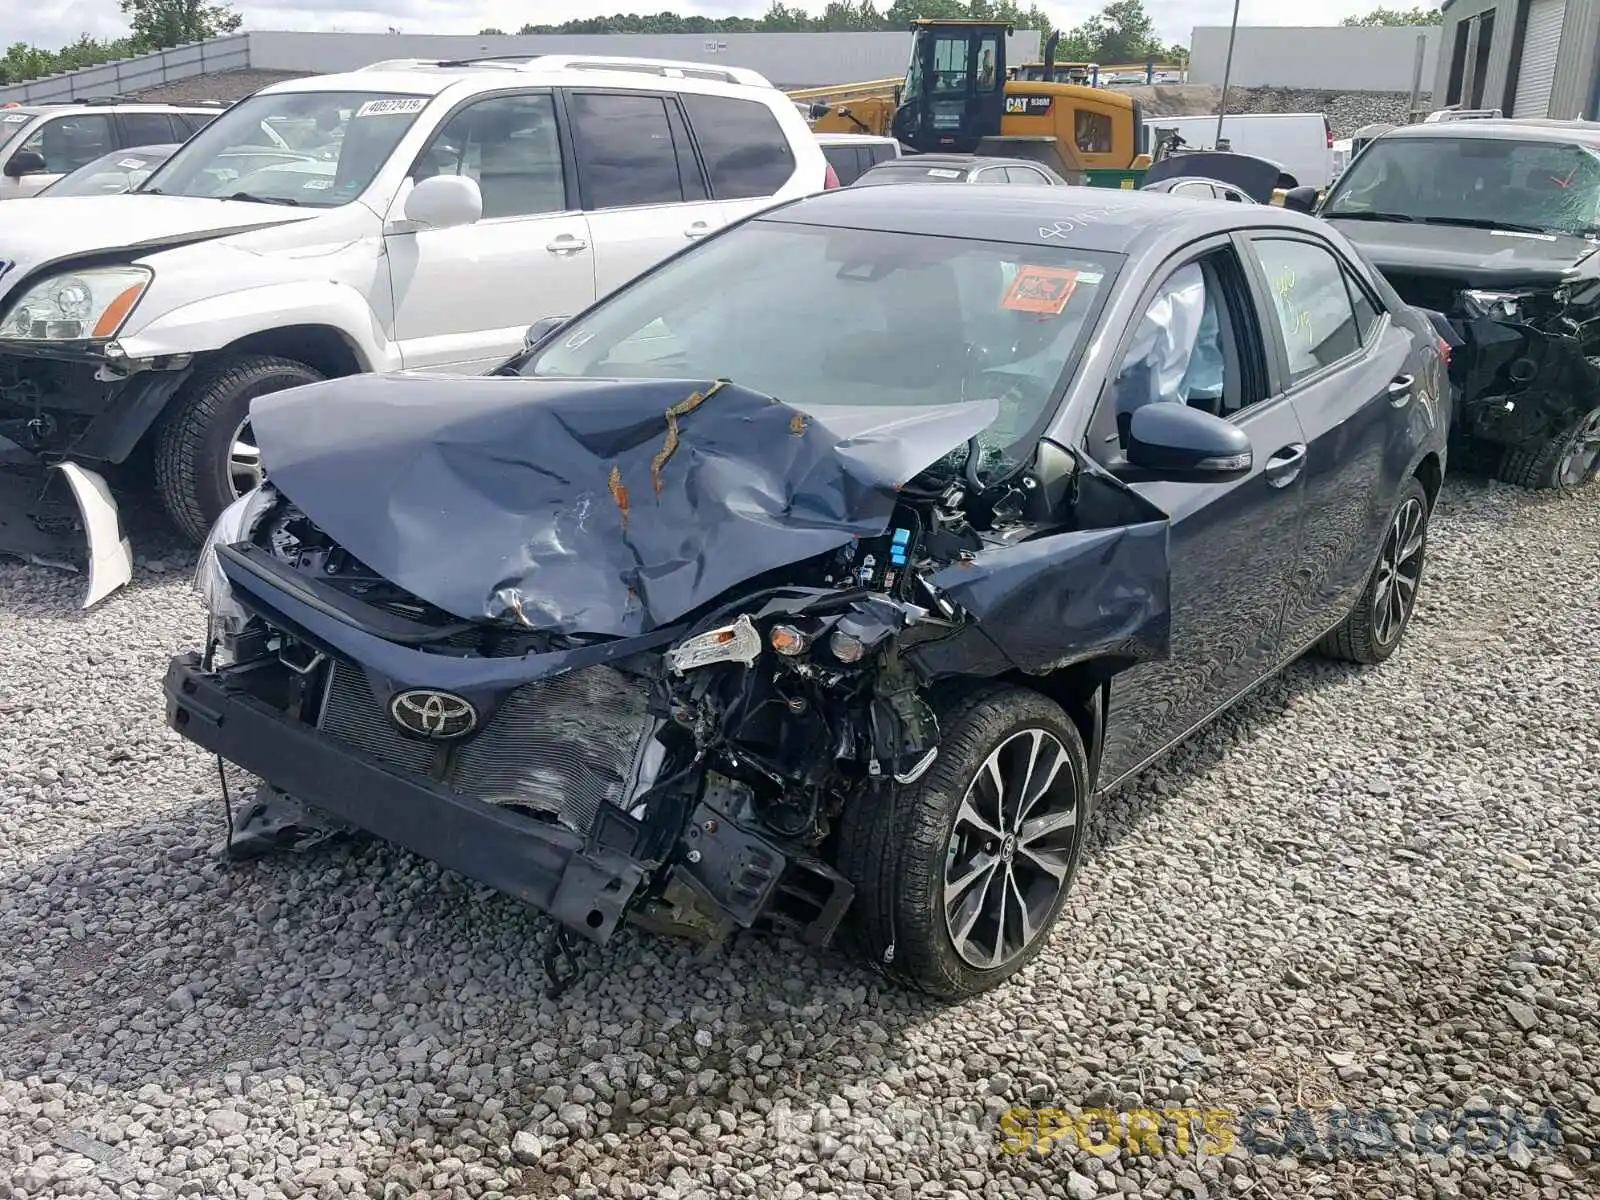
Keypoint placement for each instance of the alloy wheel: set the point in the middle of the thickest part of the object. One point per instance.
(244, 461)
(1399, 571)
(1582, 455)
(1010, 849)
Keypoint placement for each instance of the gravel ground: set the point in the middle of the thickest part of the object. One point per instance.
(1369, 890)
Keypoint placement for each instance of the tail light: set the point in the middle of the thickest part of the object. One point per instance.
(831, 179)
(1444, 353)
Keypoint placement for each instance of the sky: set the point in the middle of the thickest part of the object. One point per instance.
(54, 25)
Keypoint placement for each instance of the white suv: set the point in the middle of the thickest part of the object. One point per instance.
(39, 143)
(432, 212)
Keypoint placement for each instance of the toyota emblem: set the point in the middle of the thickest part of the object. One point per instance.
(435, 715)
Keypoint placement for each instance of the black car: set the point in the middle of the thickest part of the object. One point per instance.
(959, 168)
(709, 614)
(1496, 224)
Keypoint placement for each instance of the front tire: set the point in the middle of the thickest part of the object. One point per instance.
(1565, 463)
(204, 456)
(960, 878)
(1372, 630)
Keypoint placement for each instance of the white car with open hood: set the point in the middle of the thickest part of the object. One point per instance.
(412, 216)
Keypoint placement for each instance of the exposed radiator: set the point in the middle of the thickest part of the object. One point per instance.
(562, 746)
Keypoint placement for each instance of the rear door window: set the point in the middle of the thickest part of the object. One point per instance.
(67, 143)
(1311, 301)
(1026, 176)
(192, 123)
(625, 149)
(745, 150)
(147, 129)
(845, 161)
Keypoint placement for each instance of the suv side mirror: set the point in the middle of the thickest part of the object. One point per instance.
(445, 201)
(540, 330)
(25, 162)
(1301, 199)
(1182, 443)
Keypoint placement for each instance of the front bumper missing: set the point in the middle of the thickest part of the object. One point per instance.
(80, 529)
(551, 868)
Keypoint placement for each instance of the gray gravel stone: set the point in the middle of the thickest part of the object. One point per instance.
(1414, 846)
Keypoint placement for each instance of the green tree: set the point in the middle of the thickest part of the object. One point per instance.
(1121, 32)
(158, 24)
(491, 32)
(23, 62)
(1397, 16)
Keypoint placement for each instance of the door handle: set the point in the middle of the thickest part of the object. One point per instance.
(698, 230)
(1284, 467)
(567, 244)
(1399, 390)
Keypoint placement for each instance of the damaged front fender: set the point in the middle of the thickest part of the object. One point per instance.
(1064, 598)
(1529, 368)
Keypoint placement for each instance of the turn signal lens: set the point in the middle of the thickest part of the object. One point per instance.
(788, 641)
(117, 311)
(846, 647)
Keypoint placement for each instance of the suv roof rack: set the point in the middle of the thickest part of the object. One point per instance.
(667, 67)
(663, 67)
(425, 64)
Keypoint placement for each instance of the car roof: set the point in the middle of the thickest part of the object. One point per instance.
(50, 110)
(1539, 129)
(854, 139)
(432, 77)
(1097, 219)
(963, 162)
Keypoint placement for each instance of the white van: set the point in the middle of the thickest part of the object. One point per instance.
(1300, 143)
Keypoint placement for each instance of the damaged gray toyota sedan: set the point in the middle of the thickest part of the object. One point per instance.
(820, 579)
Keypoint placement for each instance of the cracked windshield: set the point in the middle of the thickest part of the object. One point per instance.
(311, 149)
(1492, 183)
(931, 321)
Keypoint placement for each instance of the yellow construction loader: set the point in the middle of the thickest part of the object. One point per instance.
(955, 99)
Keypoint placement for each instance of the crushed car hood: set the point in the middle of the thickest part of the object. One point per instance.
(44, 230)
(1475, 257)
(606, 507)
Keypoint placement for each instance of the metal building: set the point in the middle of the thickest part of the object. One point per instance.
(1528, 58)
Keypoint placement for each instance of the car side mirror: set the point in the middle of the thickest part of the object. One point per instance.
(444, 202)
(1301, 199)
(25, 162)
(540, 331)
(1178, 442)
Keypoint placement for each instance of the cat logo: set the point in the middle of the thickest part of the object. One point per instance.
(1029, 106)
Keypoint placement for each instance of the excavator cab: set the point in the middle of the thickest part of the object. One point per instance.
(954, 95)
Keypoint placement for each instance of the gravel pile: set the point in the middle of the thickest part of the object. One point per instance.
(1365, 889)
(1346, 111)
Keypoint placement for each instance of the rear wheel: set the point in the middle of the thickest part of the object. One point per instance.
(205, 453)
(961, 877)
(1372, 630)
(1565, 463)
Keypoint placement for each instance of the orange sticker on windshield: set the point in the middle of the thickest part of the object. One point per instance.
(1041, 290)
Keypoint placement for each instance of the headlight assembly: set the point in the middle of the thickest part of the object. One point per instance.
(1505, 306)
(226, 617)
(77, 306)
